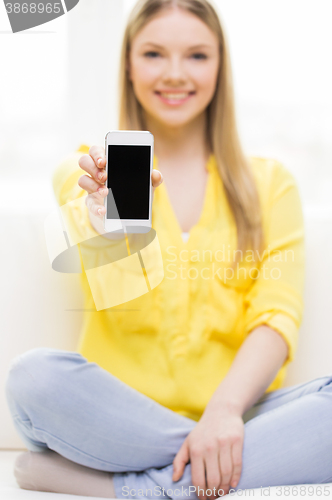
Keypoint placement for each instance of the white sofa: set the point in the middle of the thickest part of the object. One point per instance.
(41, 307)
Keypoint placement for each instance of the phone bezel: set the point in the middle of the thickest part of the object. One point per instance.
(131, 138)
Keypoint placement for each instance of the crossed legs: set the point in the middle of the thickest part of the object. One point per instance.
(62, 403)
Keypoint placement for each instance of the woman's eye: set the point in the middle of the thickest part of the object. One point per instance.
(151, 53)
(199, 55)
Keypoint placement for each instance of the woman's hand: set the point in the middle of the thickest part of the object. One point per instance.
(94, 164)
(214, 448)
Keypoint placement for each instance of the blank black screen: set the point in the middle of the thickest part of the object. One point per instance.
(129, 179)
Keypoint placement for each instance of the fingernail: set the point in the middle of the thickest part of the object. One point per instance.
(101, 190)
(100, 175)
(99, 161)
(99, 211)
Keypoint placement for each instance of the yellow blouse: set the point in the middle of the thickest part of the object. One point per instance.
(177, 342)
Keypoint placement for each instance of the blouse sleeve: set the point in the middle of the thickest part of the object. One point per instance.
(275, 298)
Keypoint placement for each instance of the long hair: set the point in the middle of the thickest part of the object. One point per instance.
(221, 131)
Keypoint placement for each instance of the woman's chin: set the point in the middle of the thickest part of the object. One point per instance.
(175, 122)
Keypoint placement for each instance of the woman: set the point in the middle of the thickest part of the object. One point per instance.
(177, 393)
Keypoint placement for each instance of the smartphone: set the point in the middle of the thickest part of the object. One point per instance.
(129, 165)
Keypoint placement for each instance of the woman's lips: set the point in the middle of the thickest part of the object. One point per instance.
(174, 98)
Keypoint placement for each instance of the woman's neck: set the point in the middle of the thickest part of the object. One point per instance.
(184, 144)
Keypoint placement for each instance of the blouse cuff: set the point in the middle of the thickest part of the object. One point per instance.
(284, 325)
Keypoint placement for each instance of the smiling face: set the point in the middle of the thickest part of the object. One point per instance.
(173, 66)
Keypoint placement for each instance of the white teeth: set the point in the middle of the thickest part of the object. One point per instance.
(174, 96)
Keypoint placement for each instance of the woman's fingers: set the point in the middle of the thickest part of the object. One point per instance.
(198, 472)
(90, 185)
(86, 163)
(94, 202)
(237, 462)
(180, 461)
(226, 466)
(213, 477)
(91, 165)
(97, 153)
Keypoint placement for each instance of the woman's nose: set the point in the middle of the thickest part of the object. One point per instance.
(175, 70)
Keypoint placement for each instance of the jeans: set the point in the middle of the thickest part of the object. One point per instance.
(59, 400)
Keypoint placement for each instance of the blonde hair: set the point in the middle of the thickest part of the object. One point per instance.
(221, 134)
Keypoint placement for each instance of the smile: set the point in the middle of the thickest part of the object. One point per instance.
(174, 98)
